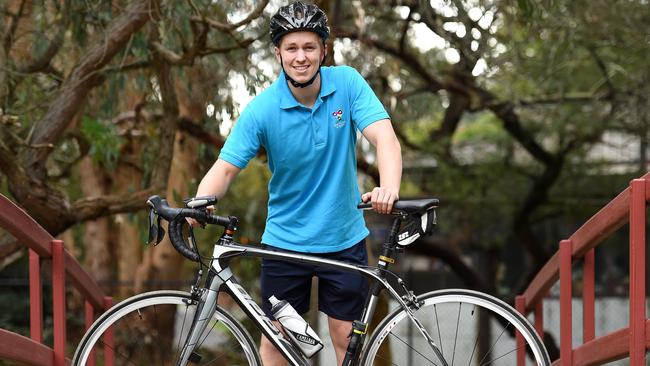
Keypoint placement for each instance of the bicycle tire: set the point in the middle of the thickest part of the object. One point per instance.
(138, 341)
(457, 320)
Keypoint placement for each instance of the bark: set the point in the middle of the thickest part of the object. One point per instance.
(96, 232)
(28, 183)
(84, 77)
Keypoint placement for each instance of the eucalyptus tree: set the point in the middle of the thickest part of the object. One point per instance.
(117, 83)
(505, 110)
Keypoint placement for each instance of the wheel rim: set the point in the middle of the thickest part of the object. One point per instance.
(150, 331)
(456, 321)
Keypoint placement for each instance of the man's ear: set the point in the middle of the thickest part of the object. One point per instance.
(324, 53)
(276, 50)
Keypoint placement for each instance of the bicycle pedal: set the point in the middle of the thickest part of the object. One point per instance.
(195, 357)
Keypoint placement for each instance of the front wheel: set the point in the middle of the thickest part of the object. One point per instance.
(149, 329)
(469, 328)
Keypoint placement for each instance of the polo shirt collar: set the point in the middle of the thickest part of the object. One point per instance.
(287, 99)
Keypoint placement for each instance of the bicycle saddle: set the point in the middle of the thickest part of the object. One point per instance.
(415, 206)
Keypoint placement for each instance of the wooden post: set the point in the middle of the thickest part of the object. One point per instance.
(35, 297)
(588, 298)
(637, 272)
(58, 301)
(89, 317)
(566, 335)
(520, 305)
(109, 346)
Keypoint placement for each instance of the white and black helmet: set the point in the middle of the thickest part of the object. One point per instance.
(299, 17)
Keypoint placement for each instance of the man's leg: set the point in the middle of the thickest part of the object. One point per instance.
(287, 281)
(270, 355)
(339, 332)
(342, 295)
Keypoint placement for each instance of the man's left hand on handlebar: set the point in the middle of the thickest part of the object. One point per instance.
(382, 199)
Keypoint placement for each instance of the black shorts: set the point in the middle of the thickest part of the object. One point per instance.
(341, 294)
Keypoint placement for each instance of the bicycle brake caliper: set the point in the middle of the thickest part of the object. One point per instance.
(409, 297)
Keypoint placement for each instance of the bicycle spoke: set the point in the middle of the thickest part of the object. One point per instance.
(144, 329)
(502, 356)
(208, 333)
(100, 342)
(442, 347)
(386, 359)
(180, 335)
(453, 354)
(413, 348)
(478, 334)
(495, 342)
(476, 327)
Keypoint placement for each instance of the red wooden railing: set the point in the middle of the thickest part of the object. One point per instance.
(41, 246)
(633, 341)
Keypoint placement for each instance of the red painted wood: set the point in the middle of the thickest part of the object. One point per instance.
(520, 305)
(109, 357)
(543, 281)
(637, 273)
(539, 319)
(24, 350)
(35, 298)
(588, 298)
(601, 225)
(611, 347)
(89, 317)
(565, 303)
(58, 301)
(22, 227)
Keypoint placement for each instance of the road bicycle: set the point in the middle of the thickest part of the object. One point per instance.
(446, 327)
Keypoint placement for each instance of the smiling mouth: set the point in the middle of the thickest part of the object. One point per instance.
(301, 68)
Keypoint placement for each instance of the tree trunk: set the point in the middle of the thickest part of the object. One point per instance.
(97, 260)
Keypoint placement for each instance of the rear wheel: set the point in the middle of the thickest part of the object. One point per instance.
(469, 328)
(149, 329)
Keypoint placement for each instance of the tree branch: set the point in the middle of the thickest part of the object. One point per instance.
(83, 78)
(226, 27)
(434, 84)
(9, 33)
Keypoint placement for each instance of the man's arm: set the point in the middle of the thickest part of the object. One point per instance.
(389, 160)
(217, 180)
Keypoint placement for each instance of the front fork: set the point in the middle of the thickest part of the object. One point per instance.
(207, 305)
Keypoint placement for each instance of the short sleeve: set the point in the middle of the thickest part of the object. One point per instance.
(244, 140)
(365, 106)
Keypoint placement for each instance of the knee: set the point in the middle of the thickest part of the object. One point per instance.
(340, 335)
(270, 355)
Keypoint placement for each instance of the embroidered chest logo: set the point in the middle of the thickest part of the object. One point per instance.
(338, 119)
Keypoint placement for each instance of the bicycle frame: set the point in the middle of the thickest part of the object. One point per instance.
(221, 274)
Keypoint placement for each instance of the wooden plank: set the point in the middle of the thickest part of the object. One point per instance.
(19, 348)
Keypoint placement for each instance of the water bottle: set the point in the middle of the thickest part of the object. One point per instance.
(296, 328)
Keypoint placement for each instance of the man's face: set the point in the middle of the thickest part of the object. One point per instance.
(301, 53)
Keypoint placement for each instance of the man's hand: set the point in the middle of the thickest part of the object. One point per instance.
(382, 199)
(194, 223)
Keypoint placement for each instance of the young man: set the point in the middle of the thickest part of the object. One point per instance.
(307, 121)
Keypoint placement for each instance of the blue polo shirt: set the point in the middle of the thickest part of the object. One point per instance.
(313, 191)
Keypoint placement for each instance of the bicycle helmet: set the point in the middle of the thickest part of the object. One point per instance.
(298, 17)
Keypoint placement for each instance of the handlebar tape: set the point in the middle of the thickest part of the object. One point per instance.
(176, 218)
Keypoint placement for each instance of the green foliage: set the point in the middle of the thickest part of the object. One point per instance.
(105, 142)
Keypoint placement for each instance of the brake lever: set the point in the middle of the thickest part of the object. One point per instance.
(160, 234)
(152, 227)
(156, 232)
